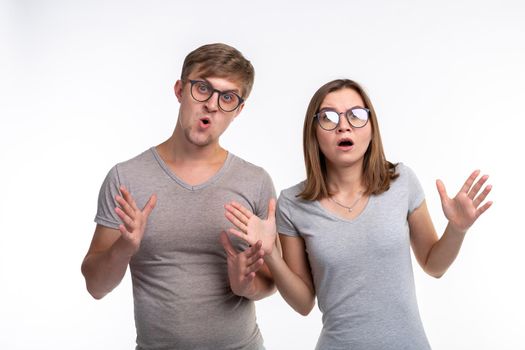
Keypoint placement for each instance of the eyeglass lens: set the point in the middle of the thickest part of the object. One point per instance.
(202, 91)
(357, 117)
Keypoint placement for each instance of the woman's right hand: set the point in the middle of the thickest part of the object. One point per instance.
(251, 228)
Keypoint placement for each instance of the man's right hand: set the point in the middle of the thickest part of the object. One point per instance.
(134, 220)
(242, 266)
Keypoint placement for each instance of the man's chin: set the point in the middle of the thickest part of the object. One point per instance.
(199, 141)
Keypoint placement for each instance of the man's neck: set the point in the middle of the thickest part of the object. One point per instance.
(192, 164)
(178, 151)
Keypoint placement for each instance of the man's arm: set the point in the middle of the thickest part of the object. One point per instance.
(105, 263)
(249, 276)
(111, 250)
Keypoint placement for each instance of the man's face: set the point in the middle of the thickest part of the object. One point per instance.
(204, 122)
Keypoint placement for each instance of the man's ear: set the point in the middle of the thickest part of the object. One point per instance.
(239, 110)
(178, 89)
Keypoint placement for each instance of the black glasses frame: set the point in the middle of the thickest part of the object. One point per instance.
(213, 90)
(347, 114)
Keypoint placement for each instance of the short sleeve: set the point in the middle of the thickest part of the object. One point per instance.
(106, 215)
(416, 196)
(266, 192)
(283, 217)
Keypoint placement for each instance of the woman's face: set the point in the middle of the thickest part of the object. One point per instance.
(345, 145)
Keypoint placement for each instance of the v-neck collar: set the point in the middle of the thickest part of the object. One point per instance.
(184, 184)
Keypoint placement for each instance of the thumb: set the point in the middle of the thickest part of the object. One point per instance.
(150, 205)
(271, 209)
(227, 244)
(441, 190)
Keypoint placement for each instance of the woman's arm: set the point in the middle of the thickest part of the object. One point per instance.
(292, 274)
(436, 255)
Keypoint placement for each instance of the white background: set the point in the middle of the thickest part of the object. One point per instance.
(84, 85)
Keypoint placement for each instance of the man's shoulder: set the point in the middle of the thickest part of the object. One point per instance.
(247, 168)
(139, 166)
(138, 161)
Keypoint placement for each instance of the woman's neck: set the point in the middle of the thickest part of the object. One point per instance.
(345, 180)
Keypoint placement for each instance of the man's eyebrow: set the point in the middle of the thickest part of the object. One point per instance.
(236, 90)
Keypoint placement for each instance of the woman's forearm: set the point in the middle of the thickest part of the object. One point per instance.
(297, 293)
(444, 252)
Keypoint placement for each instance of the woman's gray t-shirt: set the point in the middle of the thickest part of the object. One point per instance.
(361, 268)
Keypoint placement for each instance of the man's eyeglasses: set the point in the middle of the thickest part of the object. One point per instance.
(202, 91)
(329, 119)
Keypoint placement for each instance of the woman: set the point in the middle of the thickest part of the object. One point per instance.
(346, 231)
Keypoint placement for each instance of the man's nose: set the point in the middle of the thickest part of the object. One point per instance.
(211, 103)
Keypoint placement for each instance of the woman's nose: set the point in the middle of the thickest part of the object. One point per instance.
(343, 125)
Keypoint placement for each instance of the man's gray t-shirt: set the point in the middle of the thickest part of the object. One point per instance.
(361, 268)
(182, 296)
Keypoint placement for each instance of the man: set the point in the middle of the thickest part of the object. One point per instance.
(189, 292)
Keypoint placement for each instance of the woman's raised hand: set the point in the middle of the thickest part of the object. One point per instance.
(251, 228)
(464, 209)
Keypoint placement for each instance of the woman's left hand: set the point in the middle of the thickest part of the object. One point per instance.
(464, 209)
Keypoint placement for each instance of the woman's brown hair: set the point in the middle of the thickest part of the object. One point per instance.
(377, 171)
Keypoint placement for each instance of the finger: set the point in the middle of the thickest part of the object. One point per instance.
(256, 248)
(479, 199)
(128, 197)
(240, 235)
(237, 213)
(470, 181)
(271, 209)
(242, 209)
(442, 191)
(125, 207)
(149, 205)
(236, 222)
(253, 249)
(474, 190)
(125, 219)
(255, 258)
(227, 244)
(254, 253)
(124, 231)
(255, 266)
(249, 277)
(483, 209)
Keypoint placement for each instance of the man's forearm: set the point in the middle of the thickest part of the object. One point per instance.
(103, 271)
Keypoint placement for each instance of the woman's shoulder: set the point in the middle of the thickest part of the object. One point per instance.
(292, 193)
(406, 179)
(404, 170)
